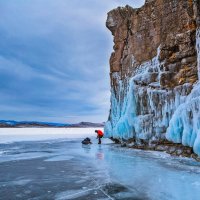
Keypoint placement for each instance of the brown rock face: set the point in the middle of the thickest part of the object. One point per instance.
(153, 67)
(138, 33)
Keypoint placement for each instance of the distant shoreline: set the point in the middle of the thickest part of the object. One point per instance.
(27, 124)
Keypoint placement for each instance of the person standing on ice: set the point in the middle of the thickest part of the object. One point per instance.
(99, 135)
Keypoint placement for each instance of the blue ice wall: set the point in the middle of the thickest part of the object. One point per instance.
(184, 126)
(143, 110)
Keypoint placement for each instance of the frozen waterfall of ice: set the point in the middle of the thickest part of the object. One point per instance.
(177, 110)
(184, 126)
(140, 114)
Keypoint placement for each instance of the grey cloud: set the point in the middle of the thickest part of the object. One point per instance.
(54, 59)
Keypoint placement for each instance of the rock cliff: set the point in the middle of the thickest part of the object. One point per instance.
(154, 72)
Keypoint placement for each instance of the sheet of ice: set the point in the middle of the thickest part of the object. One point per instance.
(60, 158)
(72, 194)
(21, 182)
(47, 136)
(77, 171)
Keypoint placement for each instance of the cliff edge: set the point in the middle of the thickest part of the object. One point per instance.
(154, 72)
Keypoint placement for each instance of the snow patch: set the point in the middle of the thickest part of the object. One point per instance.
(9, 135)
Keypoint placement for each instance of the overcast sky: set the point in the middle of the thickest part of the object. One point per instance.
(54, 59)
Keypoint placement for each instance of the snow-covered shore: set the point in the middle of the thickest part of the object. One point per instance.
(36, 134)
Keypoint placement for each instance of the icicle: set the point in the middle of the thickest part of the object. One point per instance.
(198, 51)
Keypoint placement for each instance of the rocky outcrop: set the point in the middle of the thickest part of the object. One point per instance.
(154, 73)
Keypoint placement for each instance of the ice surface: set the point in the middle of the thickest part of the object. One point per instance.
(21, 182)
(76, 171)
(11, 135)
(72, 194)
(60, 158)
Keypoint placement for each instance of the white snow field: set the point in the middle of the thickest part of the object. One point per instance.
(35, 134)
(53, 164)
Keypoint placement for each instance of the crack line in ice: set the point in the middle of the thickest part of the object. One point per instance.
(99, 186)
(75, 195)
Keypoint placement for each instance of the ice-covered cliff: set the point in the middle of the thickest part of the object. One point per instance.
(155, 71)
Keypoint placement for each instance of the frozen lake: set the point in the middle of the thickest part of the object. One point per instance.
(53, 164)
